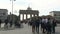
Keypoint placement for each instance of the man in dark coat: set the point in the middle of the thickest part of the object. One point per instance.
(33, 26)
(48, 28)
(53, 26)
(6, 23)
(37, 22)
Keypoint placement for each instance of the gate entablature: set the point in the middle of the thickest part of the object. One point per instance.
(29, 12)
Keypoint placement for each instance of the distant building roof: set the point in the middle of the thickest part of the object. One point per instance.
(55, 11)
(3, 10)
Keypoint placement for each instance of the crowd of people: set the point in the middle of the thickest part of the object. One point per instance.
(47, 25)
(9, 23)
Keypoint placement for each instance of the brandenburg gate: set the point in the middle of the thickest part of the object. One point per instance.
(27, 12)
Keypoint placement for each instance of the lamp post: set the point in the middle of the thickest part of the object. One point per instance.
(12, 10)
(12, 5)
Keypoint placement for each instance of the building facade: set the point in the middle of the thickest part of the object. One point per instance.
(28, 12)
(56, 15)
(3, 14)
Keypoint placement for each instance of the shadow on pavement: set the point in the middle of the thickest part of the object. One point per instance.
(57, 33)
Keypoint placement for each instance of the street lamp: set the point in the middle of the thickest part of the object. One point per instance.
(12, 5)
(12, 9)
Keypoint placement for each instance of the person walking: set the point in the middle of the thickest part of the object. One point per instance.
(48, 26)
(6, 24)
(44, 22)
(54, 25)
(37, 22)
(33, 25)
(11, 23)
(15, 23)
(43, 25)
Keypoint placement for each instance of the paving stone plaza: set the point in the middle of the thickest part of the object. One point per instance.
(25, 30)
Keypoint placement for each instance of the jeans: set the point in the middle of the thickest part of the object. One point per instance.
(37, 29)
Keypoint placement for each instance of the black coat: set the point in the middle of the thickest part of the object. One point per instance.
(37, 22)
(54, 24)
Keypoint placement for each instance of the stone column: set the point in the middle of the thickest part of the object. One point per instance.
(37, 14)
(23, 16)
(26, 16)
(34, 15)
(30, 15)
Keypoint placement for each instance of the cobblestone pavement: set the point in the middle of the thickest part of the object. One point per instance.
(25, 30)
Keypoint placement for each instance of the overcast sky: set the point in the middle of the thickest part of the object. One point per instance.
(44, 6)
